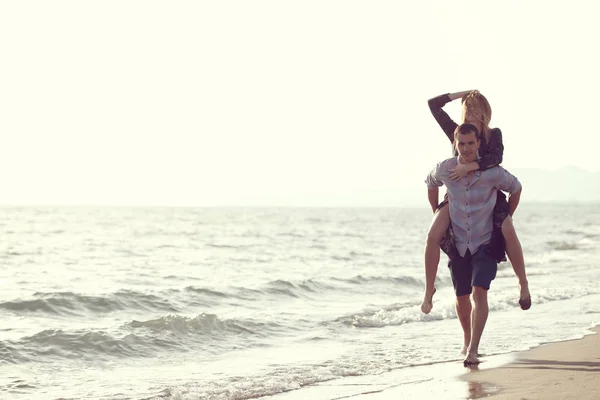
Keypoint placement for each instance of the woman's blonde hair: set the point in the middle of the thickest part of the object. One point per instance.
(476, 99)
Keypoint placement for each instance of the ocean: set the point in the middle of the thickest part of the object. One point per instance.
(224, 304)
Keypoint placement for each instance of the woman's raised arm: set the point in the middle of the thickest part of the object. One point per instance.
(442, 118)
(459, 95)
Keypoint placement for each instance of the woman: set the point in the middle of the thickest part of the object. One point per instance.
(476, 111)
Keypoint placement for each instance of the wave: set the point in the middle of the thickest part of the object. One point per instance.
(69, 303)
(278, 288)
(182, 278)
(283, 288)
(51, 344)
(291, 234)
(175, 300)
(205, 291)
(399, 280)
(297, 289)
(508, 272)
(574, 232)
(139, 339)
(395, 315)
(411, 311)
(309, 288)
(245, 388)
(230, 246)
(204, 324)
(221, 246)
(280, 380)
(562, 245)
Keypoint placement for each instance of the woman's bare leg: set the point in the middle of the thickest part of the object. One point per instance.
(515, 255)
(436, 232)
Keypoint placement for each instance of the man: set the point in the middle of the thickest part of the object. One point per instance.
(471, 201)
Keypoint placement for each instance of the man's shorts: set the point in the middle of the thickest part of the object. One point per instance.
(478, 269)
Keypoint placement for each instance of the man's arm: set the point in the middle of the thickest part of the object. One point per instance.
(433, 182)
(433, 197)
(513, 201)
(507, 182)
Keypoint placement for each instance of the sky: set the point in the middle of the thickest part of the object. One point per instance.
(281, 103)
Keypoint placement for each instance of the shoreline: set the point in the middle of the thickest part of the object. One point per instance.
(556, 370)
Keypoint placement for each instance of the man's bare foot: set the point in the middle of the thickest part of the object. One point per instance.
(427, 302)
(471, 359)
(525, 297)
(464, 349)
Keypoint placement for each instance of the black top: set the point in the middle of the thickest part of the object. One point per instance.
(490, 153)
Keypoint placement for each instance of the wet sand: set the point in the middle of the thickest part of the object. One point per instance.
(562, 370)
(434, 381)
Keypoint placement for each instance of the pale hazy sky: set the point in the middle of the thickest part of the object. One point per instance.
(280, 102)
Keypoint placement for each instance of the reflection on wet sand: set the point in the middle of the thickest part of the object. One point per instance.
(476, 388)
(441, 381)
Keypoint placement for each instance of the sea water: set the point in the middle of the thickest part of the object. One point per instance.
(212, 303)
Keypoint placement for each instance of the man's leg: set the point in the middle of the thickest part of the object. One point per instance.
(463, 310)
(479, 317)
(461, 272)
(515, 255)
(432, 255)
(484, 272)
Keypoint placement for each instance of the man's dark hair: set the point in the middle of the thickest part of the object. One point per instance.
(465, 129)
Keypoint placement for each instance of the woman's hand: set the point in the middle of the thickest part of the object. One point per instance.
(462, 170)
(459, 95)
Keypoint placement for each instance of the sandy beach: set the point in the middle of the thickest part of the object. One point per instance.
(561, 370)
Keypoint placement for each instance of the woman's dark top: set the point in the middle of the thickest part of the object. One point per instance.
(490, 155)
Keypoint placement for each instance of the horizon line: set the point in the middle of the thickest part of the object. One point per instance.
(117, 205)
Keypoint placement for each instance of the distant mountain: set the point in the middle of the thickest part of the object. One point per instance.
(569, 184)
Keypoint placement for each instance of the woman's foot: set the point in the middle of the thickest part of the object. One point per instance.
(525, 297)
(427, 302)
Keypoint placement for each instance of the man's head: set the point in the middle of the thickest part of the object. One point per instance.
(467, 141)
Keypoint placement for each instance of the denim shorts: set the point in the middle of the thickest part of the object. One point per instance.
(478, 269)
